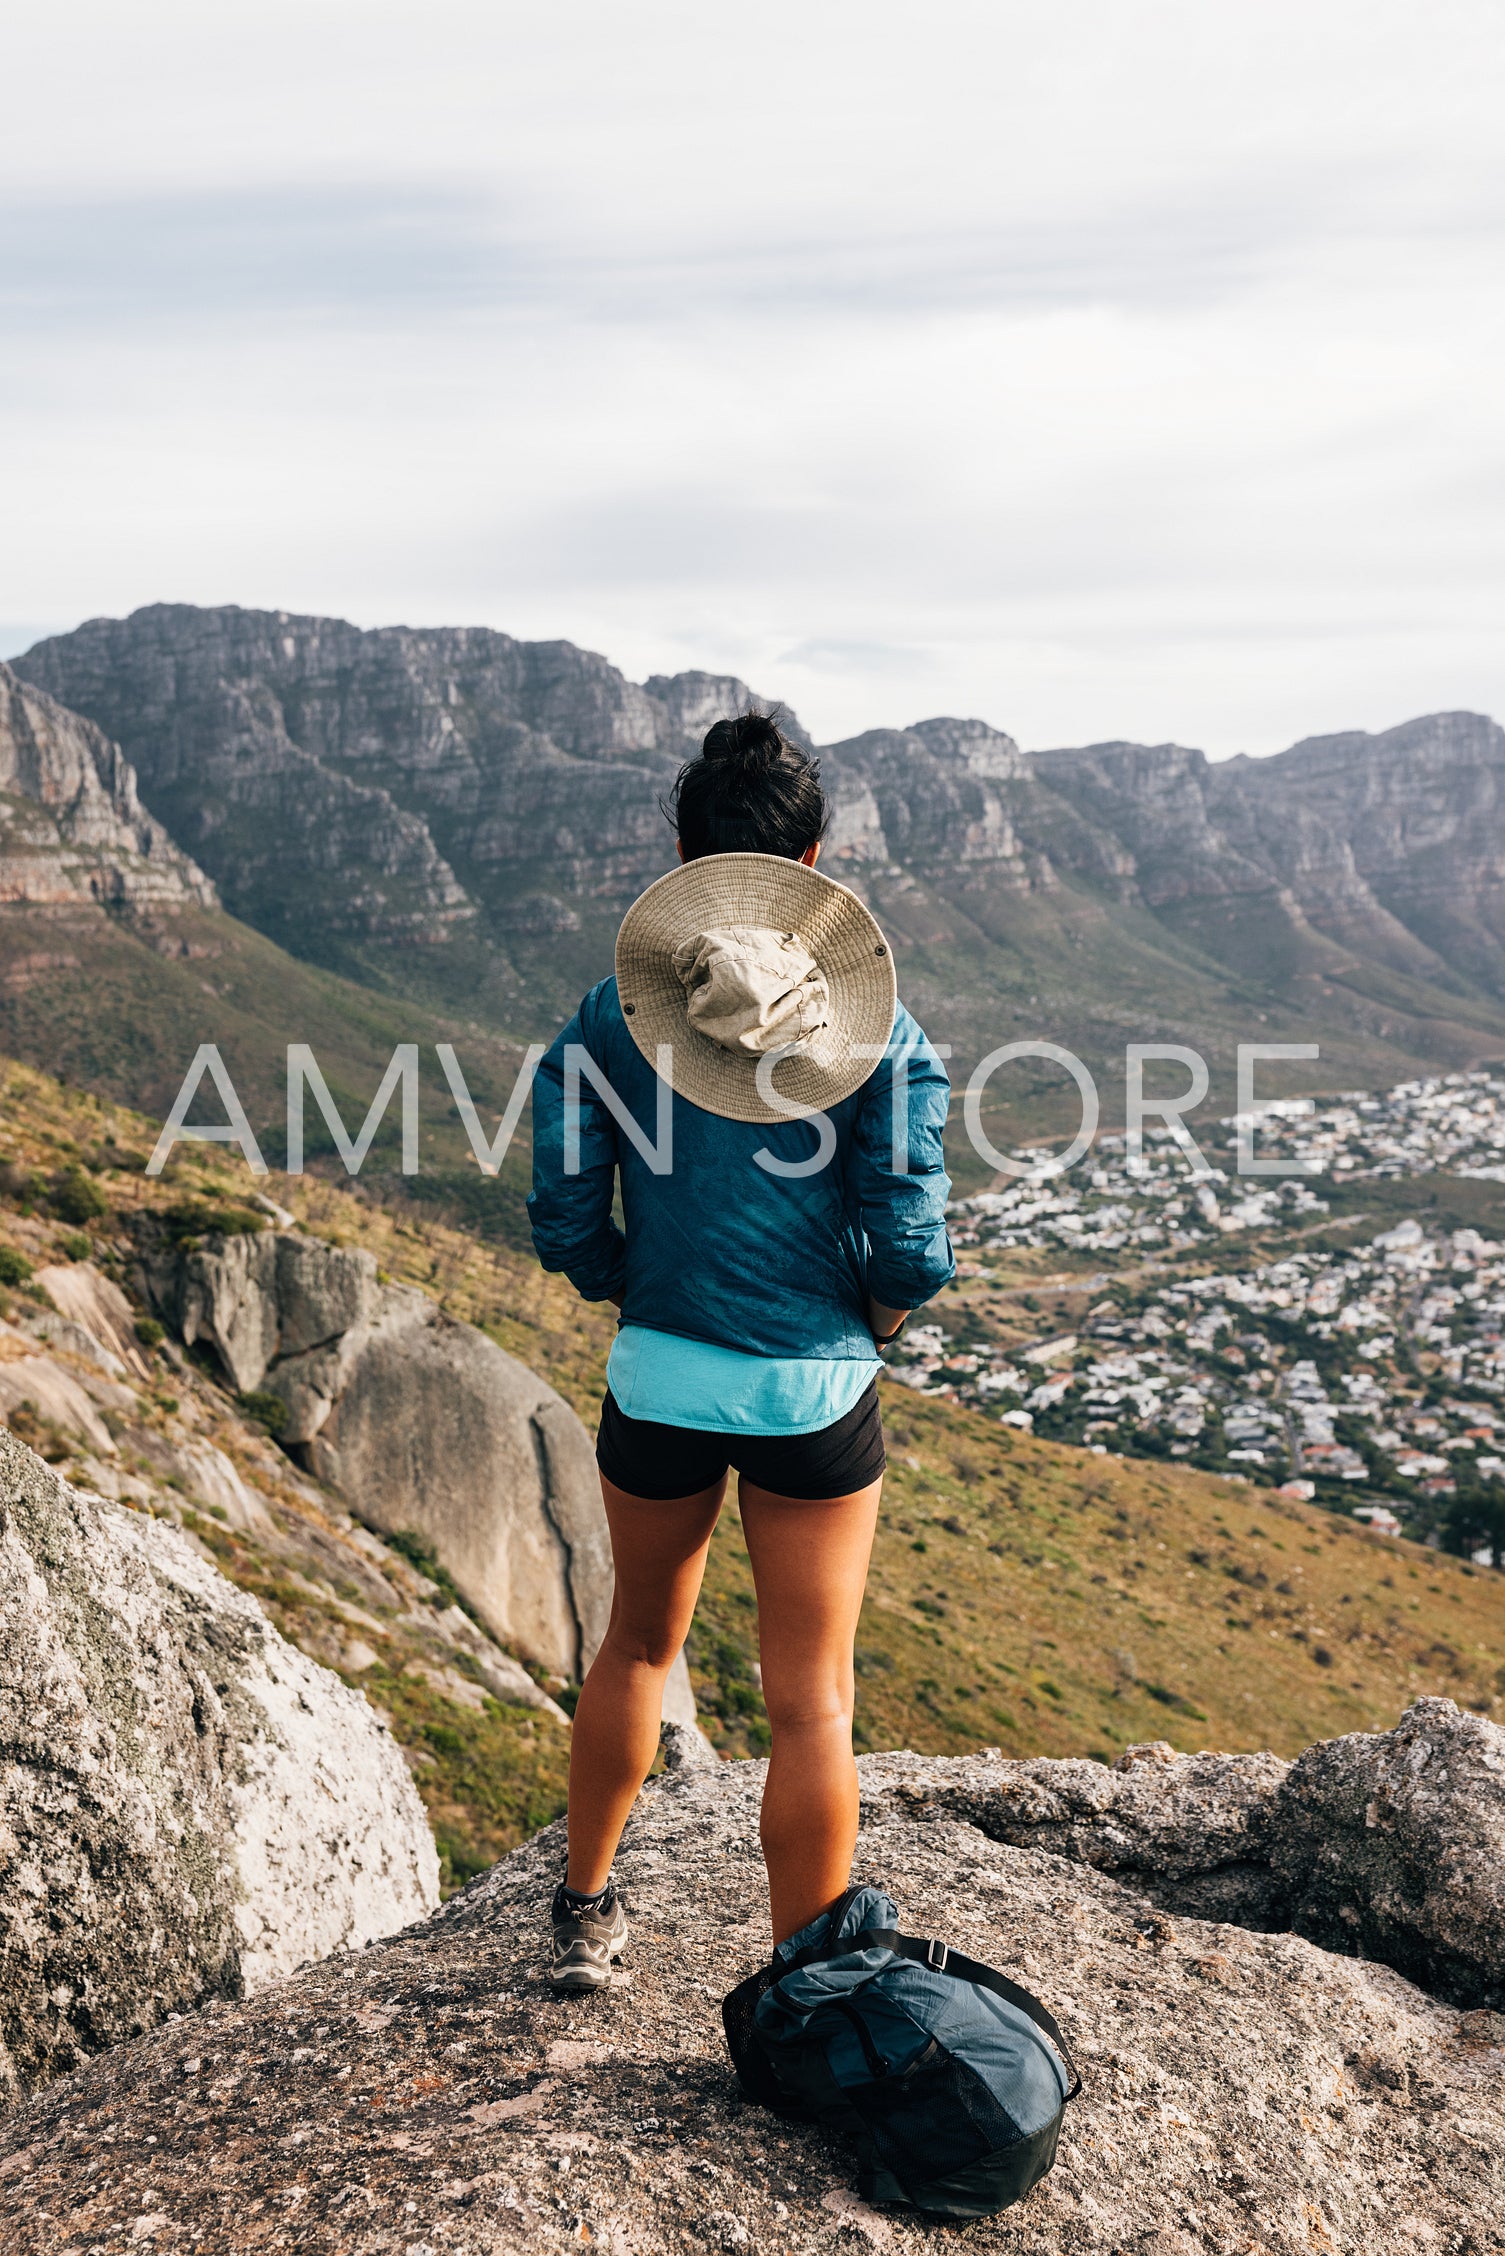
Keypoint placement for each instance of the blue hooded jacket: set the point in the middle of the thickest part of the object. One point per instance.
(717, 1247)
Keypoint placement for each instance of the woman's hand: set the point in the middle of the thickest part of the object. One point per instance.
(885, 1324)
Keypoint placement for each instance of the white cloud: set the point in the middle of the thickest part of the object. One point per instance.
(1112, 367)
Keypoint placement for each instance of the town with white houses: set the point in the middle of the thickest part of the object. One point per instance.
(1368, 1375)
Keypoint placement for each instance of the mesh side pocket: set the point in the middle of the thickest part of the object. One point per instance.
(754, 2073)
(935, 2119)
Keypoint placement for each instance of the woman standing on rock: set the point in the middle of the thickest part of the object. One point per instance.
(775, 1118)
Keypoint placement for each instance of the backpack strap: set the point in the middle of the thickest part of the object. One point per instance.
(941, 1959)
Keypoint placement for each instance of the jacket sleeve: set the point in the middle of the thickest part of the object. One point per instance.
(901, 1195)
(571, 1215)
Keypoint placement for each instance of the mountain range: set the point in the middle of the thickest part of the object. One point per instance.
(454, 819)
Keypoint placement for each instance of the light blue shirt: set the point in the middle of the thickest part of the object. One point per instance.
(683, 1382)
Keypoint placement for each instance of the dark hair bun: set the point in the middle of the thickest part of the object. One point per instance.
(750, 744)
(750, 792)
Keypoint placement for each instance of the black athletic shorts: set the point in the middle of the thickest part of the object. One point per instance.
(660, 1462)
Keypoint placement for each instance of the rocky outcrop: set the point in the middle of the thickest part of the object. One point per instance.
(72, 826)
(67, 1385)
(1197, 1831)
(420, 1423)
(37, 1386)
(96, 1307)
(1242, 2091)
(1393, 1845)
(189, 1807)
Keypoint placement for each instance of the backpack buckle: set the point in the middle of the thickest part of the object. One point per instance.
(936, 1955)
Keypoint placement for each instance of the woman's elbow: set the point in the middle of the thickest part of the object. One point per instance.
(911, 1282)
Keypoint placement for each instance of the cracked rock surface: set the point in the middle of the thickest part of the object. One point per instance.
(1244, 2091)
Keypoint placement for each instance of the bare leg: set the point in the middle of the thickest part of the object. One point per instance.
(809, 1562)
(659, 1550)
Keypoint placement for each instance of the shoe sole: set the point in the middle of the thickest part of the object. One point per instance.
(590, 1977)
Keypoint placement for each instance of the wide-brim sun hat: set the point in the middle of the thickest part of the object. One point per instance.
(734, 957)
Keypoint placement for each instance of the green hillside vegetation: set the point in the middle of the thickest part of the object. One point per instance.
(1026, 1595)
(118, 1004)
(1037, 1598)
(490, 1771)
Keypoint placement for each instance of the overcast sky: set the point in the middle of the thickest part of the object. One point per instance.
(1102, 367)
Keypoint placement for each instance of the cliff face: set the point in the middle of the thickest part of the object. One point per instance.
(72, 826)
(422, 1422)
(356, 792)
(943, 792)
(1392, 845)
(388, 784)
(1420, 813)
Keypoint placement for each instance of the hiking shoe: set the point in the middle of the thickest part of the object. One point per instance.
(587, 1937)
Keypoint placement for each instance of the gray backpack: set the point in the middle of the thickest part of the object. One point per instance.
(948, 2078)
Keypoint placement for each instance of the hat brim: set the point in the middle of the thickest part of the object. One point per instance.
(839, 931)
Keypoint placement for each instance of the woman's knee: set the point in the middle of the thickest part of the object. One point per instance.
(642, 1645)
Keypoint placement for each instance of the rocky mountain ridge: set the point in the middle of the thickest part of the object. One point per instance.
(1393, 844)
(388, 761)
(498, 803)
